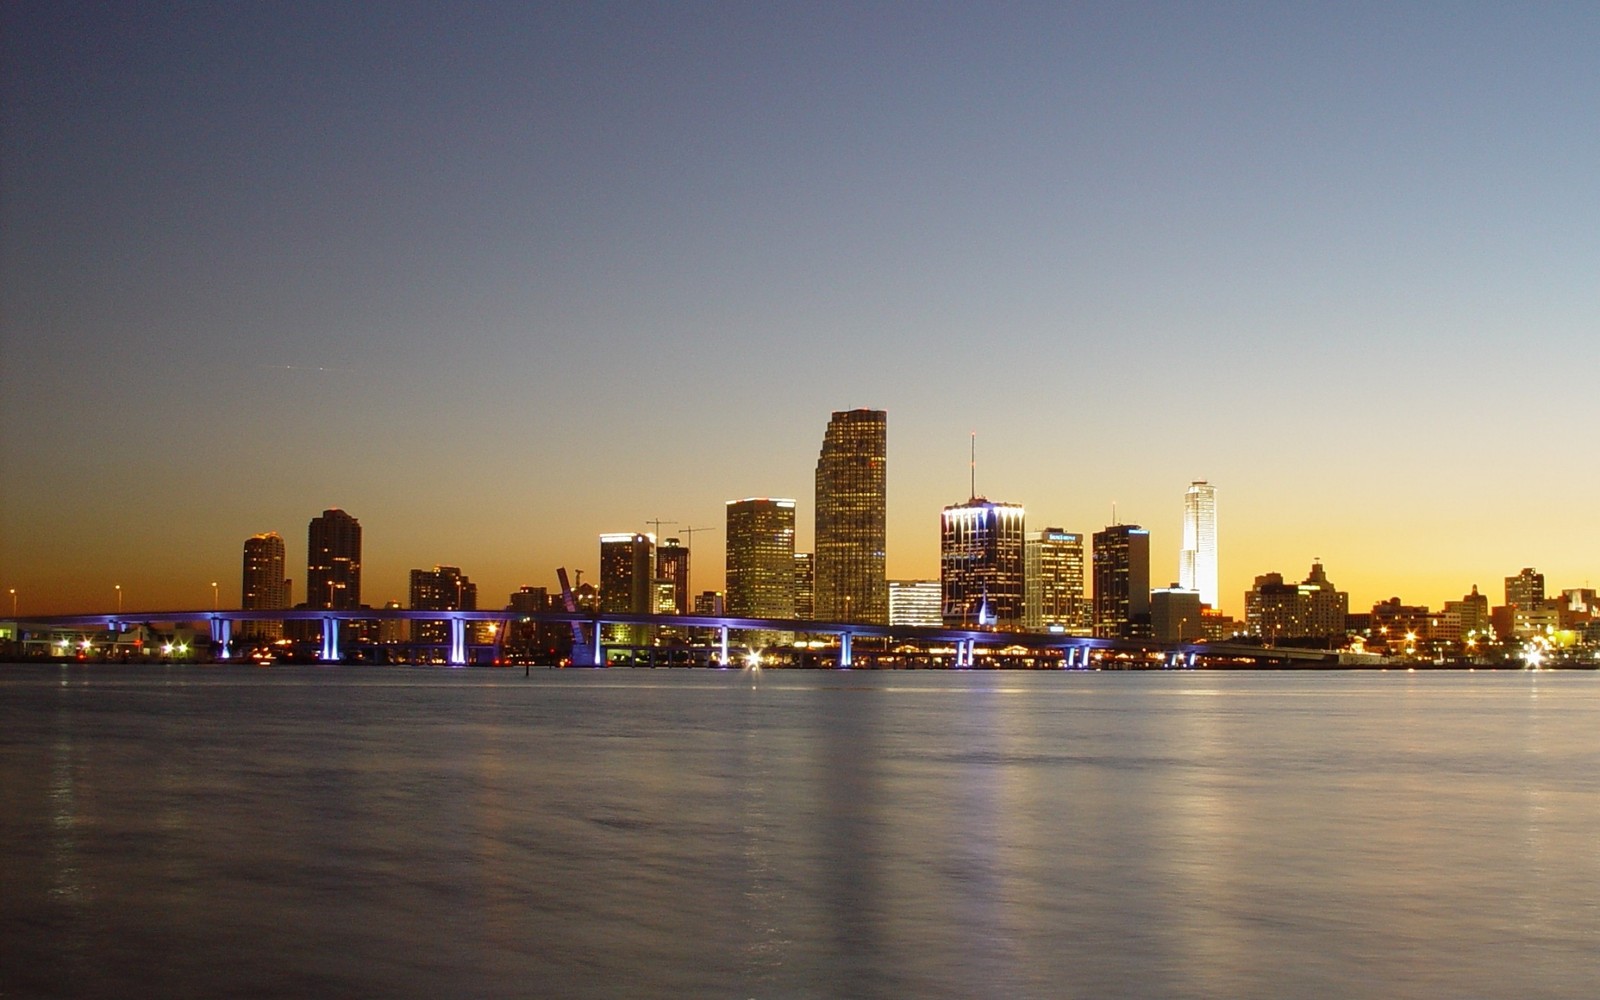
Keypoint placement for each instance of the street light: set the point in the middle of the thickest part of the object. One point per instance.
(13, 602)
(119, 598)
(216, 603)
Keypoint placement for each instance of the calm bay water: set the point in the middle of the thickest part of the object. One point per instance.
(400, 832)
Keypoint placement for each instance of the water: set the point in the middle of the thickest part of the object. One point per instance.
(401, 832)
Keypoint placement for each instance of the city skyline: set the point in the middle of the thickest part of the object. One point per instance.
(1337, 260)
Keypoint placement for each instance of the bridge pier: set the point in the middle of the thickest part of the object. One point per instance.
(330, 640)
(722, 646)
(845, 659)
(221, 635)
(458, 642)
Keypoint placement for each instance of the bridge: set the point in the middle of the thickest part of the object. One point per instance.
(1073, 651)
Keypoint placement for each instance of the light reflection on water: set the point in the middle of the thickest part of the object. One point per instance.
(401, 832)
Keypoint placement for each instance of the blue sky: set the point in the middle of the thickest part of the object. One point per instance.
(498, 278)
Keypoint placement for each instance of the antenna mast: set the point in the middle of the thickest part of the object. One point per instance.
(973, 467)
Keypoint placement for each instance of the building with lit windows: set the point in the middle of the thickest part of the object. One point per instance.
(264, 586)
(805, 594)
(672, 565)
(1525, 590)
(760, 558)
(1122, 582)
(443, 588)
(333, 561)
(1053, 589)
(1197, 561)
(916, 602)
(980, 564)
(851, 519)
(1314, 609)
(627, 575)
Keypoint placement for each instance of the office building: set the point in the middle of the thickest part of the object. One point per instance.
(916, 602)
(1197, 561)
(333, 561)
(851, 518)
(1121, 582)
(627, 576)
(1467, 620)
(760, 558)
(1525, 590)
(264, 587)
(1053, 589)
(980, 564)
(443, 588)
(1175, 614)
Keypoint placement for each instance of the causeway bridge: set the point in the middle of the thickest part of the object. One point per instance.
(1079, 652)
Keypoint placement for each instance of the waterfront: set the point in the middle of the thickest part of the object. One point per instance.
(207, 831)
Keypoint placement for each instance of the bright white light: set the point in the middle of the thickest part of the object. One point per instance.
(753, 661)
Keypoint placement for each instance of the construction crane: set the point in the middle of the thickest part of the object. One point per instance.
(686, 530)
(657, 523)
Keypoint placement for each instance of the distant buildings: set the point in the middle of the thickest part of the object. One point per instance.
(1053, 588)
(760, 558)
(980, 564)
(1121, 582)
(264, 586)
(1314, 609)
(915, 602)
(1197, 562)
(333, 561)
(851, 519)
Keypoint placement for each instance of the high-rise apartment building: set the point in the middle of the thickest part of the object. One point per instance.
(805, 593)
(333, 561)
(1121, 581)
(760, 558)
(851, 519)
(916, 602)
(443, 588)
(1053, 589)
(1525, 590)
(626, 577)
(672, 565)
(264, 587)
(1197, 561)
(980, 564)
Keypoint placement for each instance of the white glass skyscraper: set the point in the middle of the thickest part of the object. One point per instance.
(1197, 562)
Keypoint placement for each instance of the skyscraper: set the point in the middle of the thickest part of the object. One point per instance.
(1053, 589)
(264, 587)
(805, 592)
(1121, 581)
(625, 581)
(1525, 590)
(851, 504)
(980, 564)
(333, 561)
(760, 560)
(1197, 562)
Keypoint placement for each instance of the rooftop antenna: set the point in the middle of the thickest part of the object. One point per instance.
(973, 466)
(1114, 521)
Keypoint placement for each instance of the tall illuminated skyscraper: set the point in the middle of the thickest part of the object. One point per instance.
(333, 561)
(851, 517)
(980, 564)
(1197, 562)
(264, 587)
(760, 562)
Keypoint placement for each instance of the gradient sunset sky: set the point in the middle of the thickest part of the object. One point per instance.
(496, 278)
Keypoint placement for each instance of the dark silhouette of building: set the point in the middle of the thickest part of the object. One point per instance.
(333, 561)
(1122, 582)
(443, 588)
(264, 586)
